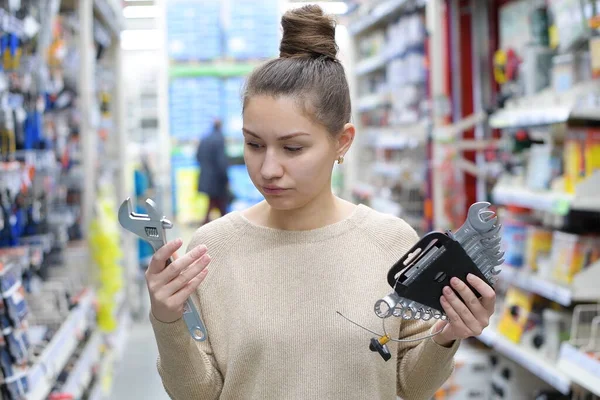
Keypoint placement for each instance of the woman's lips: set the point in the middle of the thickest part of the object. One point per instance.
(273, 190)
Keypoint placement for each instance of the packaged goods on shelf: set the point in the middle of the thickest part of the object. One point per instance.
(572, 253)
(581, 155)
(191, 22)
(538, 246)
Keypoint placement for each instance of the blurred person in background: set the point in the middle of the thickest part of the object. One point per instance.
(213, 180)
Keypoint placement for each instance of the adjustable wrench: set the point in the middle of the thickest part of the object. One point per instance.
(152, 228)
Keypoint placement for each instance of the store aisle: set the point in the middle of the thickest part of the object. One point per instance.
(139, 365)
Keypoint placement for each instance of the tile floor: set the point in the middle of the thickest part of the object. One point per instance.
(138, 365)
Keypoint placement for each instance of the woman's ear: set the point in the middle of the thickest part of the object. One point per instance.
(345, 139)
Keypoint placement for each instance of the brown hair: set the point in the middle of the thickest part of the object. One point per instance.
(307, 69)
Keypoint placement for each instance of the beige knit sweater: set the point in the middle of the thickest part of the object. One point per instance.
(269, 303)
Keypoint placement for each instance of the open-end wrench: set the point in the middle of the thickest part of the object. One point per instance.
(475, 224)
(152, 228)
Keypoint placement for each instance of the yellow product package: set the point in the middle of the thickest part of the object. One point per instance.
(517, 307)
(538, 245)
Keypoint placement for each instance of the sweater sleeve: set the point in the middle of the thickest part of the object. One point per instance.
(187, 368)
(423, 366)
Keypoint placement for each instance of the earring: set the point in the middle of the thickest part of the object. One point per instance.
(340, 160)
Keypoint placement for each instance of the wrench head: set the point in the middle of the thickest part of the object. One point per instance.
(150, 227)
(480, 218)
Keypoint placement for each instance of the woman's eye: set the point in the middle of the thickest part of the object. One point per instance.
(292, 149)
(253, 145)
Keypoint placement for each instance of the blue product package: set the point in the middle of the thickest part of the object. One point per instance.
(514, 242)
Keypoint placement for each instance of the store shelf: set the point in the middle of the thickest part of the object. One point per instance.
(542, 368)
(371, 101)
(378, 15)
(556, 292)
(215, 69)
(55, 356)
(580, 368)
(371, 64)
(398, 137)
(582, 289)
(375, 63)
(547, 108)
(81, 374)
(556, 203)
(587, 192)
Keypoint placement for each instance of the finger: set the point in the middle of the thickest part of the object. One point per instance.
(186, 276)
(463, 311)
(469, 298)
(181, 264)
(488, 295)
(162, 255)
(454, 319)
(185, 292)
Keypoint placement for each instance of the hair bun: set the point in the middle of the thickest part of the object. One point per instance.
(308, 33)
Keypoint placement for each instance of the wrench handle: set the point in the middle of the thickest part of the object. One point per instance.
(192, 318)
(194, 323)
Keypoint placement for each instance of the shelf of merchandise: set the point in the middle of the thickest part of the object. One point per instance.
(548, 107)
(582, 289)
(57, 353)
(380, 13)
(375, 63)
(580, 367)
(396, 137)
(221, 69)
(585, 198)
(82, 373)
(542, 368)
(371, 101)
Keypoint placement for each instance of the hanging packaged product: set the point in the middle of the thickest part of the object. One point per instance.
(18, 345)
(13, 293)
(537, 246)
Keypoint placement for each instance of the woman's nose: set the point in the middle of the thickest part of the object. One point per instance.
(271, 167)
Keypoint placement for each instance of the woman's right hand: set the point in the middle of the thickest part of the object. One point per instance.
(171, 285)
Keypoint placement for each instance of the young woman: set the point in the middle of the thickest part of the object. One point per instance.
(280, 270)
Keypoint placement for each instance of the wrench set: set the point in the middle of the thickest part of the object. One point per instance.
(419, 277)
(152, 228)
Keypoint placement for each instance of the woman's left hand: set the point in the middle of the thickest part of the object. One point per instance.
(467, 317)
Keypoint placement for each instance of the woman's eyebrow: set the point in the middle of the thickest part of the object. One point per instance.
(281, 138)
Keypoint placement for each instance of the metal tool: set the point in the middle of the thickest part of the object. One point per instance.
(479, 237)
(152, 228)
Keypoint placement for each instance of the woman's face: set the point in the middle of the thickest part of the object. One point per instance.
(289, 157)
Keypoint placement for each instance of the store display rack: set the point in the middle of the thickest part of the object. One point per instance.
(380, 13)
(584, 287)
(57, 181)
(537, 365)
(580, 368)
(387, 163)
(52, 361)
(582, 102)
